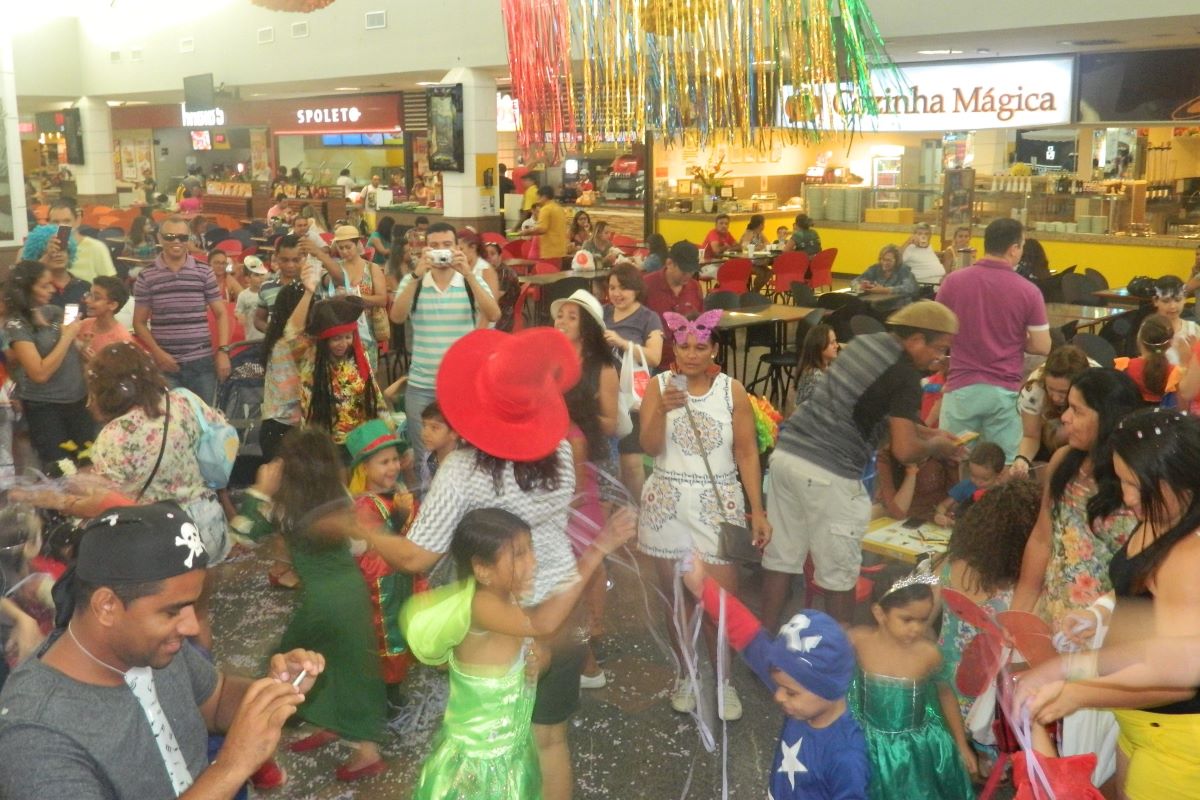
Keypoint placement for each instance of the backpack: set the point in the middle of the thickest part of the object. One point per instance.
(467, 286)
(217, 447)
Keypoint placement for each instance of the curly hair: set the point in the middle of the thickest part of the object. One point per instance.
(122, 377)
(39, 240)
(312, 478)
(990, 537)
(322, 402)
(18, 289)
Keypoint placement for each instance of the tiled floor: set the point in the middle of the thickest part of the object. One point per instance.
(626, 742)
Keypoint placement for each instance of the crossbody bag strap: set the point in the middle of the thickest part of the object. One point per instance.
(704, 457)
(162, 448)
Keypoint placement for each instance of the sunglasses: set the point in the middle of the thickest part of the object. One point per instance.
(174, 237)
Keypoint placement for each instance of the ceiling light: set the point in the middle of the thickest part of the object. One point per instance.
(1088, 42)
(983, 51)
(427, 83)
(346, 89)
(944, 52)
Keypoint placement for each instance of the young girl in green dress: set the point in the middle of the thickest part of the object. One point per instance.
(303, 493)
(895, 700)
(485, 746)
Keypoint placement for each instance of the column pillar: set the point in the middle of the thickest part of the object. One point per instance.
(13, 222)
(463, 193)
(96, 178)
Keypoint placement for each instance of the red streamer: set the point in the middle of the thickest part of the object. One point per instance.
(539, 52)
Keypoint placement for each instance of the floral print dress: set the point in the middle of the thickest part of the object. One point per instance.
(679, 510)
(349, 388)
(1077, 573)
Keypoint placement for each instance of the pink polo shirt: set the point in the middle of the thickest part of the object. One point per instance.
(995, 308)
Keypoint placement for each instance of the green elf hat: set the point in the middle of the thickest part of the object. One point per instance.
(369, 438)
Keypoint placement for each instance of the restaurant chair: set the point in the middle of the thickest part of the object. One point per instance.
(782, 365)
(1098, 348)
(1068, 330)
(115, 248)
(491, 237)
(112, 232)
(243, 236)
(215, 235)
(89, 231)
(231, 246)
(1095, 275)
(560, 290)
(863, 324)
(734, 276)
(729, 302)
(1088, 286)
(526, 304)
(517, 248)
(803, 295)
(821, 268)
(1052, 287)
(256, 229)
(546, 268)
(788, 269)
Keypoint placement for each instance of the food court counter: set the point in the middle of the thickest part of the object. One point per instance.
(1118, 258)
(628, 220)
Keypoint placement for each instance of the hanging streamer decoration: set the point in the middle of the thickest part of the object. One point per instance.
(539, 60)
(752, 73)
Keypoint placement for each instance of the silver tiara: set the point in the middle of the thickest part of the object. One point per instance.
(923, 574)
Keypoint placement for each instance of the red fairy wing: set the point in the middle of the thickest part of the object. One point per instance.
(970, 613)
(979, 665)
(1030, 634)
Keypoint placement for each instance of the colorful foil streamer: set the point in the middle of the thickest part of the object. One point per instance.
(539, 57)
(744, 72)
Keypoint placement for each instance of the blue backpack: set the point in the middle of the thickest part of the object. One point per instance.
(217, 447)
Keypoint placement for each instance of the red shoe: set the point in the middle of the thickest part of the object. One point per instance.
(346, 775)
(318, 739)
(269, 776)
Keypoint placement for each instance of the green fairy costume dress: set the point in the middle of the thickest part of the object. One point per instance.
(911, 751)
(484, 750)
(333, 619)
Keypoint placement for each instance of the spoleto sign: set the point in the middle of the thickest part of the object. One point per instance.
(943, 97)
(213, 118)
(318, 116)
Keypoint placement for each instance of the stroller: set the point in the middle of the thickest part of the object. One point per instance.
(240, 399)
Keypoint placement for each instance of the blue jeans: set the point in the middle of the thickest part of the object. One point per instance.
(416, 398)
(199, 376)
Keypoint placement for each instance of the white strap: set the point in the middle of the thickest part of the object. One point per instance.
(141, 681)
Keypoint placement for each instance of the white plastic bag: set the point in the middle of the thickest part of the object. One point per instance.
(635, 376)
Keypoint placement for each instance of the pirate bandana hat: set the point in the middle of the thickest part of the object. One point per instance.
(139, 544)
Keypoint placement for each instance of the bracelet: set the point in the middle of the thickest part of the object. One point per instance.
(1023, 458)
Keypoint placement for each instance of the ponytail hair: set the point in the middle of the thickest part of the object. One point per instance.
(1154, 340)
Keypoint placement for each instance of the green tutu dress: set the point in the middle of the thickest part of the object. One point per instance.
(912, 753)
(484, 750)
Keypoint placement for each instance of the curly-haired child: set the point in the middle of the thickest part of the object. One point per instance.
(982, 562)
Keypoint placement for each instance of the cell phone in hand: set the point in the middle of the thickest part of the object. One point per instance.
(70, 313)
(63, 235)
(679, 381)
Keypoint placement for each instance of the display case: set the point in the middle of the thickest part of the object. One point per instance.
(958, 200)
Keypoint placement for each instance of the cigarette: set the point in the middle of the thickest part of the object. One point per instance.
(300, 678)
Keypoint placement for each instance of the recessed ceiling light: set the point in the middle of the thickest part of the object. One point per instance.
(346, 89)
(943, 52)
(259, 94)
(983, 51)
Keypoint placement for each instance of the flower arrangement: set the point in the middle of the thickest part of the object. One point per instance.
(711, 178)
(294, 6)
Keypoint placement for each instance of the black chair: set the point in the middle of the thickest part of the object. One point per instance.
(1052, 287)
(1072, 288)
(562, 289)
(844, 307)
(89, 231)
(781, 365)
(753, 301)
(1067, 331)
(112, 232)
(1096, 276)
(803, 295)
(214, 236)
(1098, 349)
(115, 249)
(723, 300)
(862, 324)
(242, 237)
(768, 336)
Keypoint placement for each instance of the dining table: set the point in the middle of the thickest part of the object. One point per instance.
(903, 541)
(1084, 317)
(546, 278)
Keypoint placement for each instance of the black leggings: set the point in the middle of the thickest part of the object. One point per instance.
(51, 425)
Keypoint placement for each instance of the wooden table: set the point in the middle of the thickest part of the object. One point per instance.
(775, 312)
(1120, 295)
(547, 278)
(889, 538)
(1085, 317)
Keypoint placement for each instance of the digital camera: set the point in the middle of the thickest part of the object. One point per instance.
(441, 257)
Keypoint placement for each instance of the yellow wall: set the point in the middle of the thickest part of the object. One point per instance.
(859, 248)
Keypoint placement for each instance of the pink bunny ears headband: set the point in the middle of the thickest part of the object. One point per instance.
(701, 327)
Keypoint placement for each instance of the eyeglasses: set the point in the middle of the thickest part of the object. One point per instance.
(174, 237)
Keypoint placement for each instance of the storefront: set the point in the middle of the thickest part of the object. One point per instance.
(244, 143)
(1012, 137)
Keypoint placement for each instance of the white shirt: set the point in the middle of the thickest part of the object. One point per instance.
(925, 264)
(345, 181)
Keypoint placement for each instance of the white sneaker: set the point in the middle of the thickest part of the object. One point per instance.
(682, 698)
(732, 705)
(597, 681)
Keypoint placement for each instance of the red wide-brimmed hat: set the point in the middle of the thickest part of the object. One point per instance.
(503, 392)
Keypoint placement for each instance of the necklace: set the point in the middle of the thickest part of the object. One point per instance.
(87, 653)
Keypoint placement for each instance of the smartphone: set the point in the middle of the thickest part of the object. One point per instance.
(63, 235)
(70, 312)
(912, 523)
(679, 381)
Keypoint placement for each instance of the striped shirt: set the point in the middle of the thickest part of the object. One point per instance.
(178, 303)
(441, 319)
(840, 425)
(460, 487)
